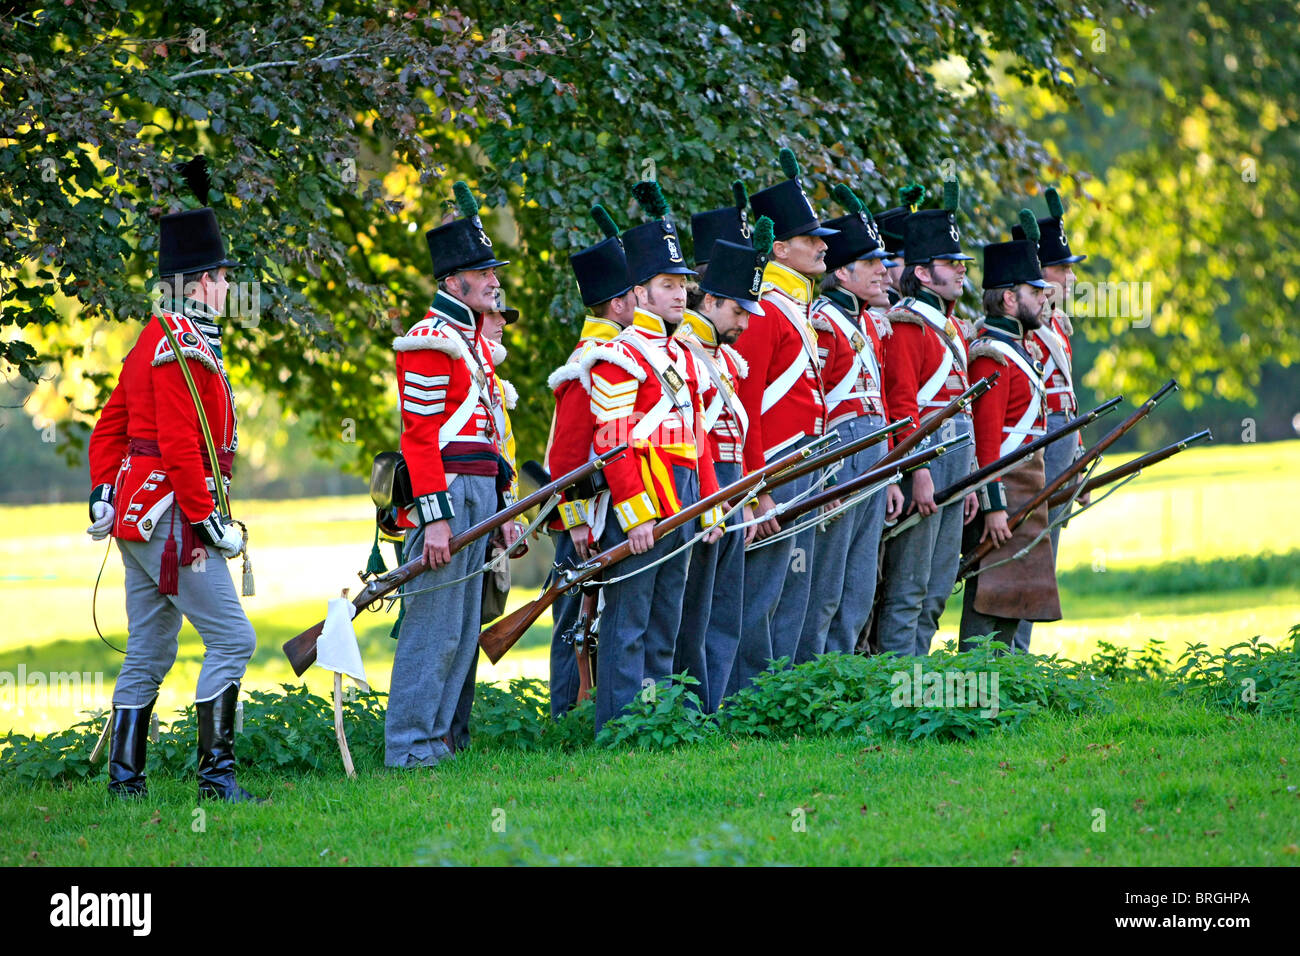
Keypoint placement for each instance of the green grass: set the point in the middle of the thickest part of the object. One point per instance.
(1178, 784)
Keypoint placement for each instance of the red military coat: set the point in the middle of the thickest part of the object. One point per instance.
(626, 395)
(783, 407)
(147, 442)
(574, 424)
(446, 392)
(924, 341)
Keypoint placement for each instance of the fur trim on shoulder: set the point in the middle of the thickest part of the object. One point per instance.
(164, 354)
(982, 348)
(613, 353)
(498, 352)
(427, 334)
(822, 325)
(900, 314)
(571, 372)
(742, 367)
(509, 394)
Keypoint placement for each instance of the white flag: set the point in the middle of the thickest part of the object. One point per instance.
(336, 649)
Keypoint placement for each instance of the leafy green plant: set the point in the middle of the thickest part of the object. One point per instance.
(1253, 676)
(515, 717)
(669, 716)
(1112, 662)
(944, 696)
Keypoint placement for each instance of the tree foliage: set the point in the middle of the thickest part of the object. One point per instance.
(1196, 146)
(562, 105)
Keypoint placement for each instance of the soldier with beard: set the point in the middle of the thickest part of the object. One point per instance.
(1058, 373)
(924, 371)
(1004, 591)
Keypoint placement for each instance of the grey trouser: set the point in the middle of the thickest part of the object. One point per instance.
(205, 595)
(844, 567)
(438, 642)
(975, 624)
(921, 563)
(1057, 457)
(766, 629)
(640, 618)
(564, 663)
(711, 609)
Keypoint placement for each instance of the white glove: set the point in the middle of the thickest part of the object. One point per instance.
(102, 515)
(215, 532)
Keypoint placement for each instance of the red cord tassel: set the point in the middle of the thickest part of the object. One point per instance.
(169, 574)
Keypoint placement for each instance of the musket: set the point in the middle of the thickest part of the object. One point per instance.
(1066, 477)
(506, 631)
(932, 424)
(876, 473)
(582, 641)
(836, 453)
(301, 650)
(1128, 469)
(995, 470)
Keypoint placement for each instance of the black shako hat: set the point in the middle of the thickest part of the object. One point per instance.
(858, 237)
(729, 222)
(890, 224)
(601, 270)
(787, 205)
(1053, 248)
(653, 248)
(932, 233)
(736, 269)
(461, 244)
(190, 241)
(1011, 263)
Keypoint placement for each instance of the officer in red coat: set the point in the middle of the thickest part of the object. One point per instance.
(784, 400)
(446, 395)
(605, 283)
(1006, 590)
(850, 342)
(645, 391)
(155, 492)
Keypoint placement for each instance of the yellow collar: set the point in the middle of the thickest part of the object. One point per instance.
(603, 330)
(649, 323)
(700, 327)
(793, 284)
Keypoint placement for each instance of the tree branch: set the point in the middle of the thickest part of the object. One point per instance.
(252, 67)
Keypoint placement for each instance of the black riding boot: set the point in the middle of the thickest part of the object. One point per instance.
(129, 737)
(217, 748)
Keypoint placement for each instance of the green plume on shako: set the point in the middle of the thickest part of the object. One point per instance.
(912, 195)
(604, 220)
(1054, 207)
(740, 194)
(789, 164)
(1030, 225)
(847, 198)
(951, 194)
(763, 236)
(465, 200)
(650, 197)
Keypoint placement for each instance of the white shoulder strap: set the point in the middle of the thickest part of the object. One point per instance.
(1016, 433)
